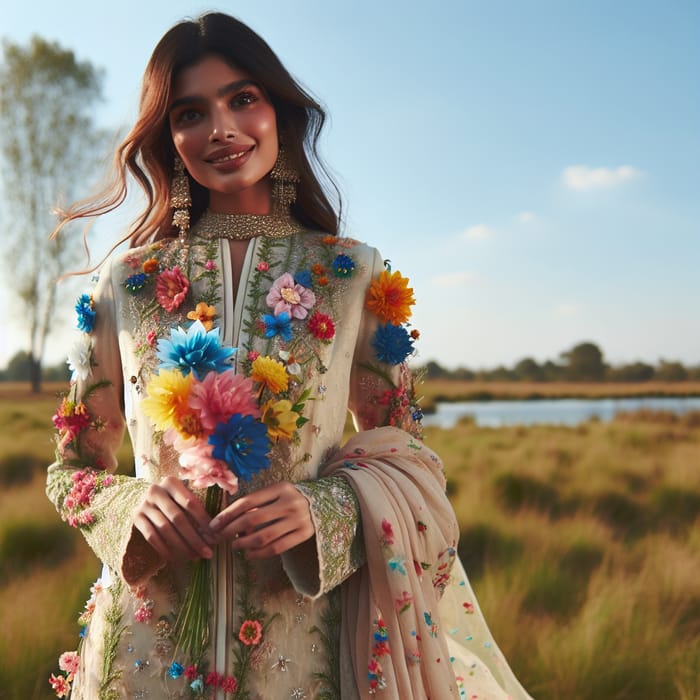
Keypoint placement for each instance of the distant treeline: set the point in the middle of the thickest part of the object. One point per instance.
(583, 363)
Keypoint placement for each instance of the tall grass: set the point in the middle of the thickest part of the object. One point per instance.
(583, 545)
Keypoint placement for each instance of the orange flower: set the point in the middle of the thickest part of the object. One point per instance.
(390, 297)
(204, 313)
(151, 265)
(330, 240)
(250, 632)
(323, 281)
(318, 269)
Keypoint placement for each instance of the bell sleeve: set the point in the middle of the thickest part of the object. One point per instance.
(81, 482)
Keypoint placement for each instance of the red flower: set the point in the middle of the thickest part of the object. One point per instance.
(213, 678)
(60, 685)
(171, 288)
(250, 632)
(381, 649)
(229, 684)
(262, 266)
(321, 326)
(191, 673)
(388, 531)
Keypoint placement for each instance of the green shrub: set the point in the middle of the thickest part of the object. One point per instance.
(482, 545)
(18, 468)
(24, 545)
(514, 492)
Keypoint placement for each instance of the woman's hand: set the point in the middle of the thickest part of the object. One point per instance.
(267, 522)
(174, 522)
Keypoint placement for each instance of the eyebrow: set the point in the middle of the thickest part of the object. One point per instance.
(221, 92)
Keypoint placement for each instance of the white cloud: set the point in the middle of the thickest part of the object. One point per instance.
(453, 279)
(582, 178)
(567, 310)
(526, 217)
(480, 231)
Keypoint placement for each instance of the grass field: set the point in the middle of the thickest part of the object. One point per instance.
(583, 545)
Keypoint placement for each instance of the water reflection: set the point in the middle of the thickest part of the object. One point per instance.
(551, 411)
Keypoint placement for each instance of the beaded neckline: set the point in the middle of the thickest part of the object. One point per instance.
(243, 227)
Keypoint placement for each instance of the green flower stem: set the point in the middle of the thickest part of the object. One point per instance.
(192, 627)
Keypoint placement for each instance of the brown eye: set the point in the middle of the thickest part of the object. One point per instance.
(242, 99)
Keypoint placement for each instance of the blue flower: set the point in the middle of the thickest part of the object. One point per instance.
(343, 266)
(175, 670)
(243, 444)
(392, 343)
(278, 325)
(197, 685)
(86, 313)
(303, 277)
(136, 282)
(194, 350)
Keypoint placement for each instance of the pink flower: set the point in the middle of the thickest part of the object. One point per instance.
(69, 662)
(144, 612)
(286, 295)
(171, 288)
(151, 338)
(250, 632)
(253, 355)
(60, 685)
(229, 684)
(209, 265)
(198, 466)
(262, 266)
(220, 395)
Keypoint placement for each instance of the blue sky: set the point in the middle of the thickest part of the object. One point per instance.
(532, 166)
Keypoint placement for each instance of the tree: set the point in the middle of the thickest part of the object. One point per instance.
(584, 363)
(48, 145)
(528, 370)
(670, 372)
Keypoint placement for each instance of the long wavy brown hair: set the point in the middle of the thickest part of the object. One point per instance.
(147, 153)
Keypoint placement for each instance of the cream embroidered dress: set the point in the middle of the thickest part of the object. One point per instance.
(318, 326)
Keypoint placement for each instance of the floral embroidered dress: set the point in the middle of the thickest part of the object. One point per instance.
(200, 374)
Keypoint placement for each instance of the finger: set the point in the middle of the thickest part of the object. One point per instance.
(244, 504)
(277, 546)
(187, 500)
(174, 525)
(158, 532)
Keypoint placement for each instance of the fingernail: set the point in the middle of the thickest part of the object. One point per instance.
(207, 553)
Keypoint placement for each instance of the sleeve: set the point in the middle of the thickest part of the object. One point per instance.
(381, 383)
(381, 394)
(81, 483)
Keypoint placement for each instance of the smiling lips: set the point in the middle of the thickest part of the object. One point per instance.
(228, 155)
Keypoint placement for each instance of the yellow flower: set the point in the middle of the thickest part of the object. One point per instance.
(166, 403)
(391, 298)
(270, 373)
(280, 419)
(204, 313)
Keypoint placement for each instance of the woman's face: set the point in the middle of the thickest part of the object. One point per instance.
(225, 131)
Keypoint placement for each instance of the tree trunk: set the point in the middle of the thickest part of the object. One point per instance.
(35, 374)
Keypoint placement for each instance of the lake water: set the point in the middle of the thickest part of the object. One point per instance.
(494, 414)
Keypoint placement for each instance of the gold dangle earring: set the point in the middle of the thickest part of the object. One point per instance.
(285, 179)
(180, 199)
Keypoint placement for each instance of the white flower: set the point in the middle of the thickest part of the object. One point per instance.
(293, 367)
(79, 357)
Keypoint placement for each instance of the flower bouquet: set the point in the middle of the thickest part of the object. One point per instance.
(210, 416)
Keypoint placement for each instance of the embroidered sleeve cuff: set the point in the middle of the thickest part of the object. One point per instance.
(101, 506)
(336, 551)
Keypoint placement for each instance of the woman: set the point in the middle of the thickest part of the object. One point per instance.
(249, 556)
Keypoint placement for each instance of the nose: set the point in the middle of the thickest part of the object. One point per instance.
(223, 127)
